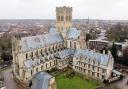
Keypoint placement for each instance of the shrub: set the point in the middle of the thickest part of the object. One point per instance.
(69, 73)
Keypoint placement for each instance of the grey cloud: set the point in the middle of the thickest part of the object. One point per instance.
(45, 9)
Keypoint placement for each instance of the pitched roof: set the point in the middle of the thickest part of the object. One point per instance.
(34, 42)
(52, 30)
(41, 81)
(73, 33)
(103, 59)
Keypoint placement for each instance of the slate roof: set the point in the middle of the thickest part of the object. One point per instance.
(103, 59)
(41, 81)
(64, 53)
(34, 42)
(73, 33)
(53, 37)
(52, 30)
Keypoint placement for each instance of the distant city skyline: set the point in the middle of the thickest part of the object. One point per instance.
(82, 9)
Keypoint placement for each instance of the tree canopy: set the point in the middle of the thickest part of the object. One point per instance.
(118, 33)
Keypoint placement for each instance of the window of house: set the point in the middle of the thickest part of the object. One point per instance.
(93, 74)
(88, 66)
(84, 70)
(56, 46)
(36, 69)
(58, 18)
(32, 55)
(70, 44)
(46, 65)
(66, 18)
(49, 48)
(84, 65)
(36, 53)
(103, 70)
(54, 62)
(41, 67)
(74, 44)
(41, 51)
(93, 68)
(26, 56)
(45, 49)
(94, 62)
(50, 64)
(97, 74)
(62, 18)
(31, 72)
(70, 18)
(103, 77)
(46, 53)
(98, 69)
(78, 37)
(42, 55)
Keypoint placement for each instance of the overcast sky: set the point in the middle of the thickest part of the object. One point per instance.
(45, 9)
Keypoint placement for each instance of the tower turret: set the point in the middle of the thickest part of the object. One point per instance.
(63, 19)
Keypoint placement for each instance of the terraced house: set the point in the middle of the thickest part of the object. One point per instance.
(63, 46)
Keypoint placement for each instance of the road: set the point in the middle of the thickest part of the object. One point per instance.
(9, 83)
(122, 84)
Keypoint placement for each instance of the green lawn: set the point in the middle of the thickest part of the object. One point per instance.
(75, 83)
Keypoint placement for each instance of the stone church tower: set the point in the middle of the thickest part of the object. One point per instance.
(63, 19)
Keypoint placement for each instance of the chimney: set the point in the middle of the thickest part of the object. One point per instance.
(109, 52)
(103, 51)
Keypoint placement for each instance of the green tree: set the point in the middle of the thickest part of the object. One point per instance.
(6, 56)
(113, 50)
(88, 36)
(118, 33)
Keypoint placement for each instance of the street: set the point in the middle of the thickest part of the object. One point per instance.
(122, 84)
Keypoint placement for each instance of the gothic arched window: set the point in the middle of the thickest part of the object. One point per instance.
(58, 18)
(26, 56)
(62, 18)
(67, 18)
(70, 18)
(46, 65)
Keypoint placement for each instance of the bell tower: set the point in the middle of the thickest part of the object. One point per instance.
(63, 19)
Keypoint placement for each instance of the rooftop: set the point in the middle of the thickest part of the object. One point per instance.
(34, 42)
(41, 81)
(73, 33)
(103, 59)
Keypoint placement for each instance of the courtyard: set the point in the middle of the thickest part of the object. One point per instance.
(68, 79)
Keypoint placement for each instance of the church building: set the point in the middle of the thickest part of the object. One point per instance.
(61, 47)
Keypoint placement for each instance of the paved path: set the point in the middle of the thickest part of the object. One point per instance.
(9, 83)
(123, 83)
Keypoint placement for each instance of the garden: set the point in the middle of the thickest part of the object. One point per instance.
(68, 79)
